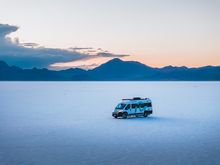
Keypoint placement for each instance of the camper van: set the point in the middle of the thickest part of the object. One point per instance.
(133, 107)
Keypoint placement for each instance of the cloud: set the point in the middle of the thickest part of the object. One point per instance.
(104, 54)
(87, 63)
(96, 57)
(30, 44)
(81, 48)
(6, 29)
(29, 55)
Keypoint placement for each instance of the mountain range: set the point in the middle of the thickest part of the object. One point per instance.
(113, 70)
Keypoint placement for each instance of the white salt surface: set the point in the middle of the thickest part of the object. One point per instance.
(70, 123)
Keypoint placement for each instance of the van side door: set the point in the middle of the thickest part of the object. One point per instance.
(133, 108)
(138, 110)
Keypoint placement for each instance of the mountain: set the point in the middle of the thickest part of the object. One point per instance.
(12, 73)
(113, 70)
(117, 69)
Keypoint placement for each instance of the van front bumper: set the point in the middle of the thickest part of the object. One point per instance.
(116, 114)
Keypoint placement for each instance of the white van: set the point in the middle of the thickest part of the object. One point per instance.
(133, 107)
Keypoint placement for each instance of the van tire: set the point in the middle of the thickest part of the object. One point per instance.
(145, 114)
(125, 115)
(116, 116)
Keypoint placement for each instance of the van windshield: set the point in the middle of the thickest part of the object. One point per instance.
(120, 106)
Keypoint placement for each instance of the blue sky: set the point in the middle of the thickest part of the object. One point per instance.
(155, 32)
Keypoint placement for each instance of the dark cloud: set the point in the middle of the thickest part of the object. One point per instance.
(28, 55)
(6, 29)
(81, 48)
(5, 43)
(30, 44)
(105, 54)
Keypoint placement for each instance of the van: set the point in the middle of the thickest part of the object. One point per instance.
(133, 107)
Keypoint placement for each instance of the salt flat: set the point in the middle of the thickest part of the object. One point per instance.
(68, 123)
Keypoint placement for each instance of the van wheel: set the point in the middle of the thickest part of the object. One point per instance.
(116, 116)
(145, 114)
(124, 115)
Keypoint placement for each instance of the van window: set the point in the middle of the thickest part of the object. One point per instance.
(142, 105)
(128, 107)
(149, 104)
(120, 106)
(134, 105)
(146, 105)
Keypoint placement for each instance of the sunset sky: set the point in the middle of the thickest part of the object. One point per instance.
(154, 32)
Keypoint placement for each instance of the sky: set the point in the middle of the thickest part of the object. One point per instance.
(85, 33)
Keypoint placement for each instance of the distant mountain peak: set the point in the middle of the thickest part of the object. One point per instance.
(74, 69)
(118, 61)
(115, 60)
(170, 67)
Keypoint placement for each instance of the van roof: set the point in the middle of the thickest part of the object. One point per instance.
(136, 100)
